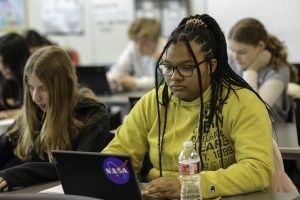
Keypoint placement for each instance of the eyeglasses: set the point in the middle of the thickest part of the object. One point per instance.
(183, 70)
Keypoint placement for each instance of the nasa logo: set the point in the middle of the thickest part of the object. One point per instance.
(116, 170)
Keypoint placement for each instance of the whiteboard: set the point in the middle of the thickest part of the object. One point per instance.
(110, 20)
(280, 17)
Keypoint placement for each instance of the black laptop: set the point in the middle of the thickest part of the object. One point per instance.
(94, 77)
(105, 176)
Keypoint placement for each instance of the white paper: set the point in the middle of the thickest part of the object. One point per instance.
(4, 124)
(54, 190)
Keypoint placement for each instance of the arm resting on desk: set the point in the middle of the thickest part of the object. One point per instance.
(29, 173)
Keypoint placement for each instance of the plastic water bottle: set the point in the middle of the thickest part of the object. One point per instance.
(189, 172)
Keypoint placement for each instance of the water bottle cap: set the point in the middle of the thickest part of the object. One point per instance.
(187, 144)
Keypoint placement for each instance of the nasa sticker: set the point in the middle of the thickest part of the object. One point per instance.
(116, 170)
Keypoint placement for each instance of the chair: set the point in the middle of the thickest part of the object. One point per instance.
(280, 181)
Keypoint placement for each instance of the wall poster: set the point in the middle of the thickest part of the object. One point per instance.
(13, 15)
(62, 17)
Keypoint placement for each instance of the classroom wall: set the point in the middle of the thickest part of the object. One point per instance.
(98, 44)
(103, 46)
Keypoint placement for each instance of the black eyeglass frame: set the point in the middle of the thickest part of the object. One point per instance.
(192, 67)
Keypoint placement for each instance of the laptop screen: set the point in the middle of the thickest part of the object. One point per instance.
(106, 176)
(94, 77)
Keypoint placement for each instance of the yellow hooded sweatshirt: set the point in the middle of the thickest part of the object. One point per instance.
(246, 141)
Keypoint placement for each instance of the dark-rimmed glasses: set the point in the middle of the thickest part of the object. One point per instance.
(184, 70)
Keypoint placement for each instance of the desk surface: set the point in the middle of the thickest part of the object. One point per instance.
(34, 188)
(4, 124)
(286, 135)
(263, 196)
(121, 99)
(250, 196)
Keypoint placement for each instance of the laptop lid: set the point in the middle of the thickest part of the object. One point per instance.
(105, 176)
(94, 77)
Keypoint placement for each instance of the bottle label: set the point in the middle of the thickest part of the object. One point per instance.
(188, 169)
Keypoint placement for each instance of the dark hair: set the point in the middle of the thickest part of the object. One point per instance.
(251, 31)
(14, 52)
(34, 39)
(205, 31)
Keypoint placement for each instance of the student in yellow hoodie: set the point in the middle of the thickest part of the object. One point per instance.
(202, 100)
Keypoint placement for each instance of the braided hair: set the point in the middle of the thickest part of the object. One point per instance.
(205, 31)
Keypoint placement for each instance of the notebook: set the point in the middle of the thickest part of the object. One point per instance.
(104, 176)
(94, 77)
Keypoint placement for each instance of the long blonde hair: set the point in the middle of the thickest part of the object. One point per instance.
(250, 31)
(53, 129)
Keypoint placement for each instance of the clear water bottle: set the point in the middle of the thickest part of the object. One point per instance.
(189, 163)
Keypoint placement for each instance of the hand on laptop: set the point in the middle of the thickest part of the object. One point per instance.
(127, 82)
(3, 185)
(163, 187)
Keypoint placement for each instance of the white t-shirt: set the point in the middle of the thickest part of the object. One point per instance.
(271, 85)
(132, 63)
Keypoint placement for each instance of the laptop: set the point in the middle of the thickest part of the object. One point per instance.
(104, 176)
(94, 77)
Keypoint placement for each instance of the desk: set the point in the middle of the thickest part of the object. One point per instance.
(250, 196)
(4, 124)
(263, 196)
(34, 188)
(287, 139)
(121, 99)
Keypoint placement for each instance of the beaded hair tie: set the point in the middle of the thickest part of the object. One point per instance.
(196, 21)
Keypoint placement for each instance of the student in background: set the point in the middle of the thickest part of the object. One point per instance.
(261, 59)
(35, 40)
(13, 56)
(204, 101)
(56, 115)
(134, 68)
